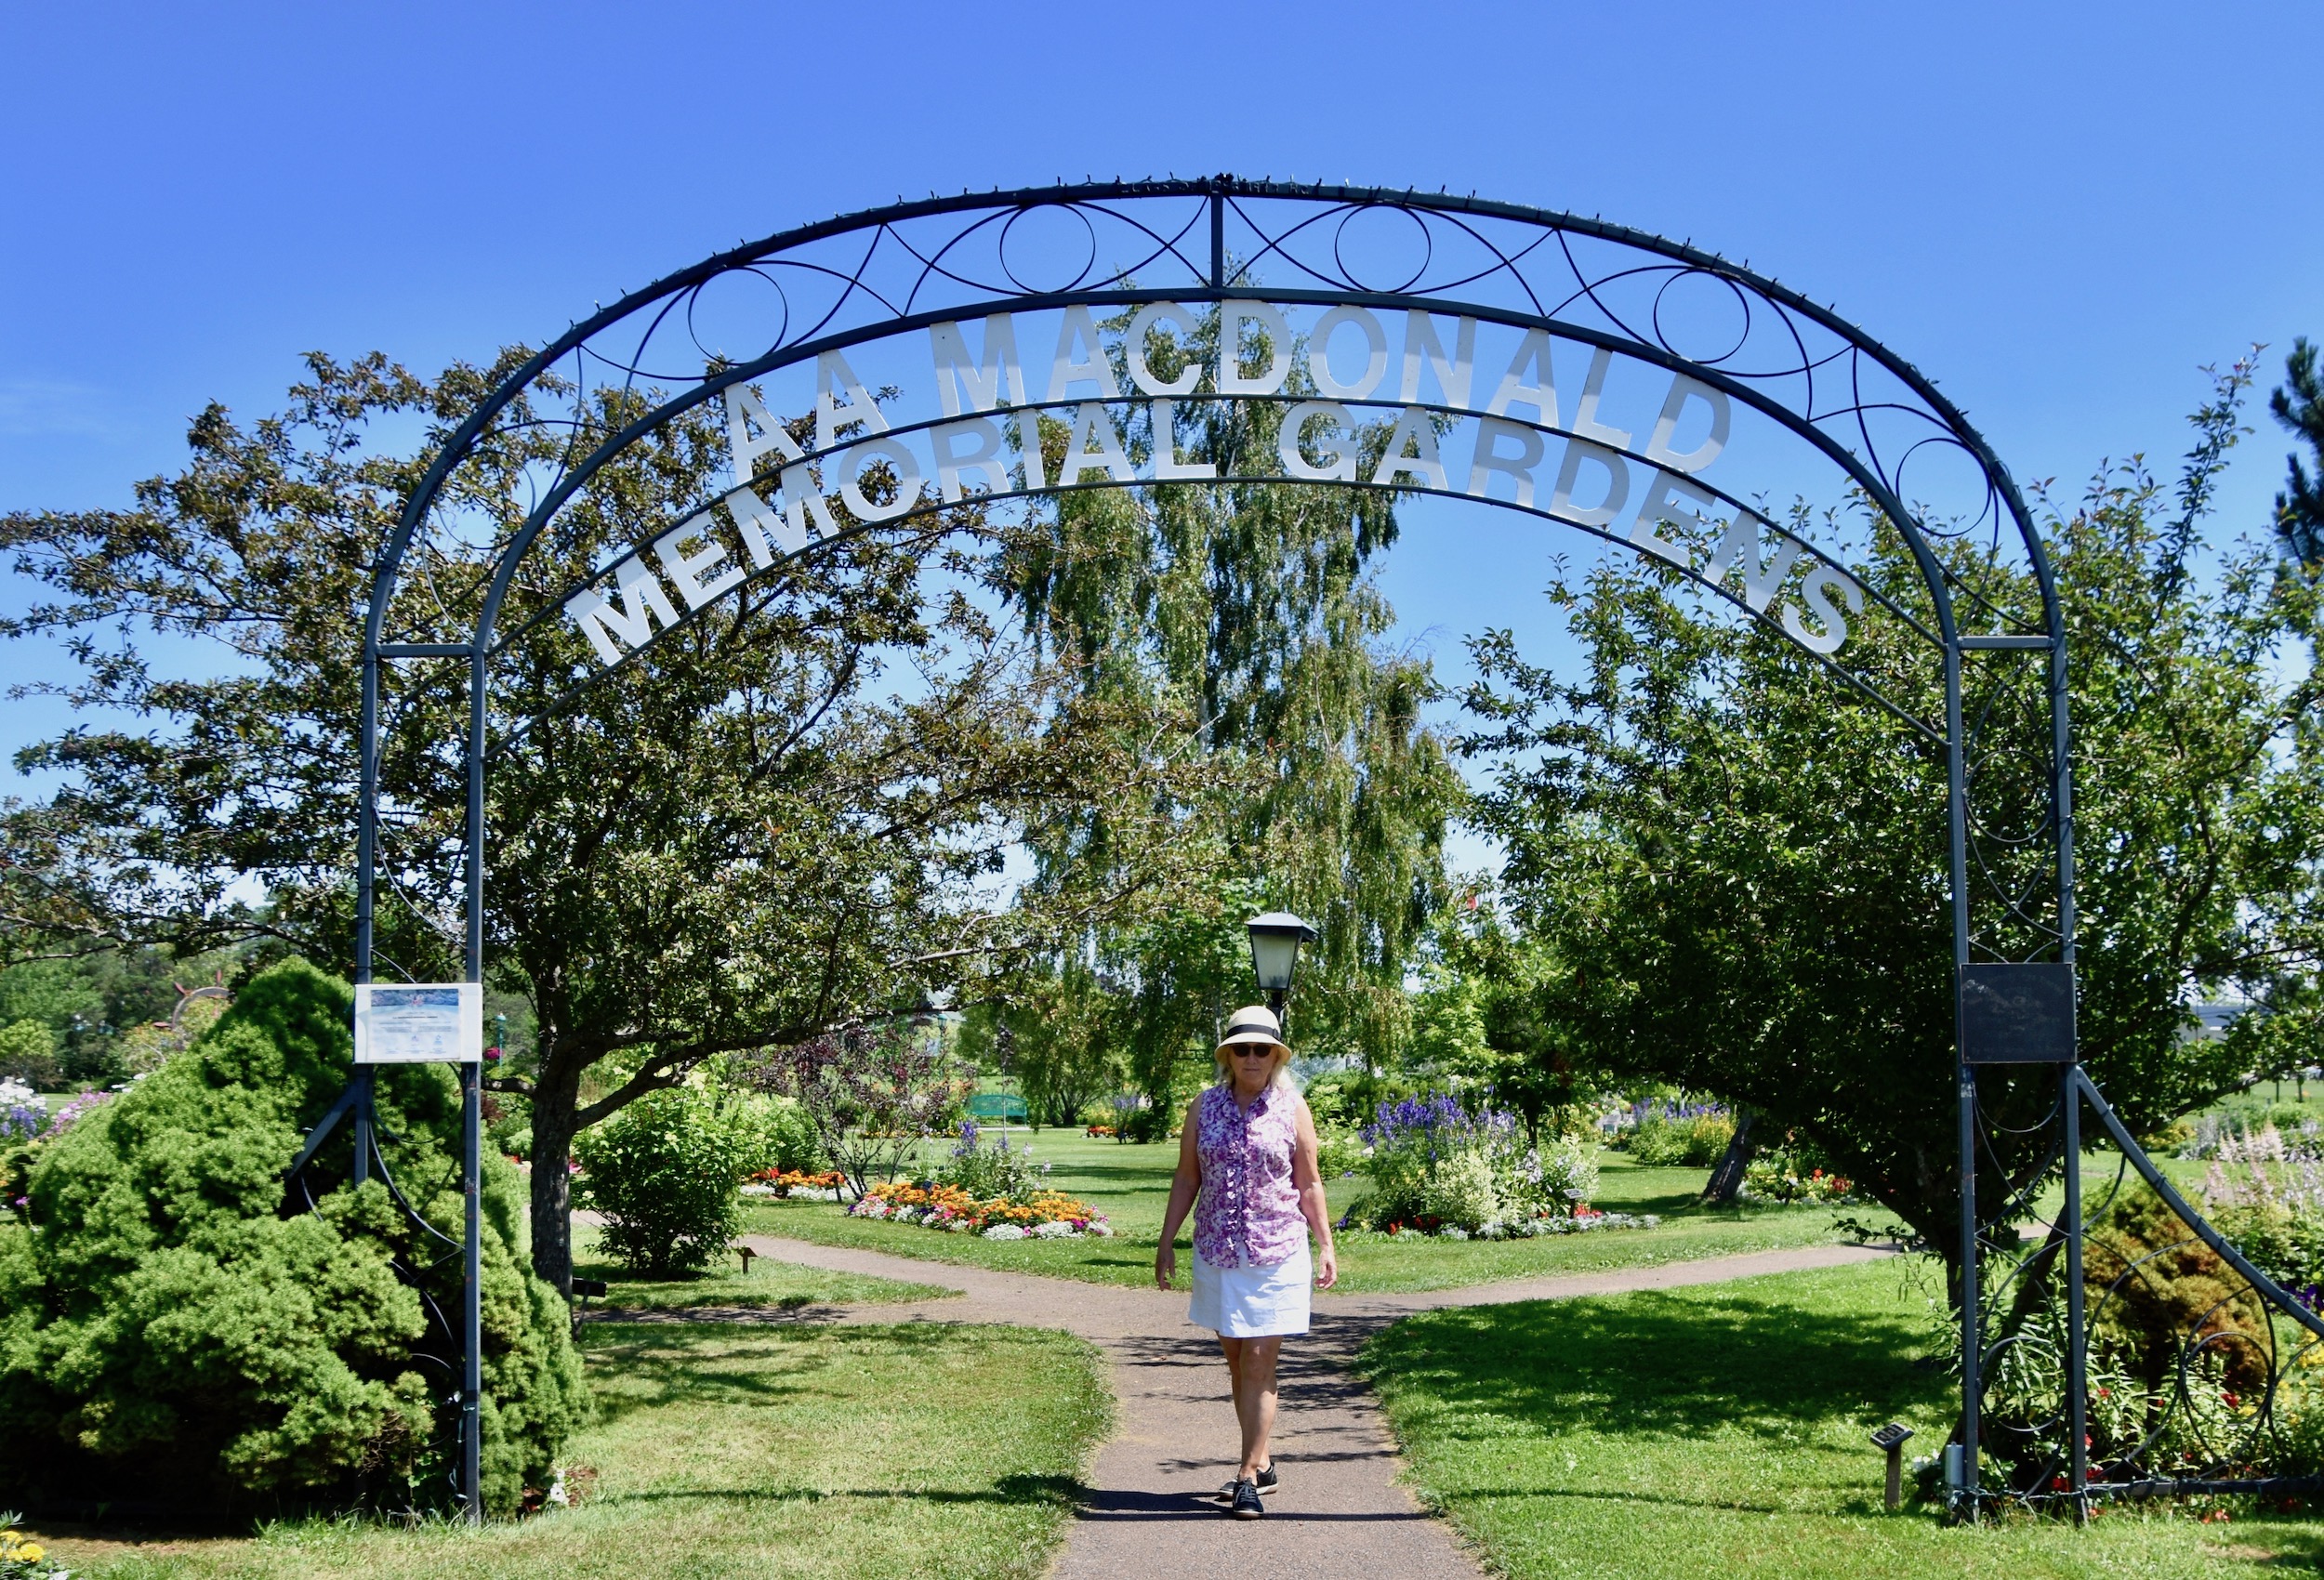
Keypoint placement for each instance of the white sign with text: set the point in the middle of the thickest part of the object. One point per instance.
(419, 1022)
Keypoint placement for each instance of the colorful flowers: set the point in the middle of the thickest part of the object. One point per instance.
(20, 1556)
(1045, 1215)
(795, 1185)
(1584, 1219)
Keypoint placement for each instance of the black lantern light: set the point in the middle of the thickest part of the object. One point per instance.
(1275, 953)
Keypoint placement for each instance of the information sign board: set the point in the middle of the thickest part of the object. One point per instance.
(419, 1022)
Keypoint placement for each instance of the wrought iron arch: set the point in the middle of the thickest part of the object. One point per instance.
(864, 279)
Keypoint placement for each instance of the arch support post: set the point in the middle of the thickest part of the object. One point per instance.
(472, 1129)
(1964, 1490)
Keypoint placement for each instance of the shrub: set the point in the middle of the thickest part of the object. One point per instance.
(1435, 1164)
(508, 1125)
(990, 1174)
(1681, 1140)
(28, 1053)
(1794, 1172)
(1459, 1190)
(1339, 1155)
(787, 1140)
(666, 1173)
(1567, 1174)
(176, 1335)
(2161, 1287)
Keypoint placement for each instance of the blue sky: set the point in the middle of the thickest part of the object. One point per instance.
(2060, 212)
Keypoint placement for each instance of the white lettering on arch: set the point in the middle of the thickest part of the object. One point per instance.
(1337, 465)
(834, 378)
(1815, 592)
(994, 380)
(1080, 357)
(1093, 446)
(1455, 373)
(1617, 470)
(1415, 431)
(982, 457)
(628, 616)
(1740, 547)
(1231, 380)
(1487, 460)
(696, 577)
(1375, 354)
(1683, 389)
(1141, 373)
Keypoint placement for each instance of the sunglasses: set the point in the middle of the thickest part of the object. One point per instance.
(1254, 1053)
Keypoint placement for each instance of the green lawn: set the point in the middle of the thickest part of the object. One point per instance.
(769, 1284)
(724, 1450)
(1130, 1183)
(1721, 1430)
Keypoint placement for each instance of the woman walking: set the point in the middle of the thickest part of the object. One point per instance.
(1247, 1166)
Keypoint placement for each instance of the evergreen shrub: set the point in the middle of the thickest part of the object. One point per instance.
(178, 1336)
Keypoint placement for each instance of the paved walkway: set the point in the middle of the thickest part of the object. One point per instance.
(1342, 1512)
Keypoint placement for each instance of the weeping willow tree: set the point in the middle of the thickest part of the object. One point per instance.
(1254, 606)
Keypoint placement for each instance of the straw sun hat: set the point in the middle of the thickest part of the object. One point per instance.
(1254, 1024)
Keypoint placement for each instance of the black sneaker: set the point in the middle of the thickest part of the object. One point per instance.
(1266, 1483)
(1246, 1505)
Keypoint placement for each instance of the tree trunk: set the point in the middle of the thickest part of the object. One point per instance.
(1727, 1179)
(554, 1103)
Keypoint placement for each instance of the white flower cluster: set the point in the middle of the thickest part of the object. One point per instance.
(1535, 1228)
(13, 1091)
(797, 1193)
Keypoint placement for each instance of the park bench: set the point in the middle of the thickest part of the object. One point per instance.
(998, 1107)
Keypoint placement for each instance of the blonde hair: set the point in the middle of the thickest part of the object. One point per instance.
(1280, 1075)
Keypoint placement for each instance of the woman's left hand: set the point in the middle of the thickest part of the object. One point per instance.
(1328, 1269)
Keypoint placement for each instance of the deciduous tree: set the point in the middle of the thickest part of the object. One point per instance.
(1743, 864)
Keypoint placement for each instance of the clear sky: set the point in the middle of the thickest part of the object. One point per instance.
(2058, 211)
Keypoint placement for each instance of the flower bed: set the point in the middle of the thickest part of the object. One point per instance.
(1042, 1215)
(790, 1184)
(1583, 1219)
(1775, 1175)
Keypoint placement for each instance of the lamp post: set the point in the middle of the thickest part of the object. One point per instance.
(1275, 954)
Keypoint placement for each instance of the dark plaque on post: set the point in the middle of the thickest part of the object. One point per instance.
(2015, 1014)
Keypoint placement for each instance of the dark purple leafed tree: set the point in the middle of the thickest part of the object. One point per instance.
(873, 1091)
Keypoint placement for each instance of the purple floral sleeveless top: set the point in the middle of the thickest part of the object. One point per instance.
(1248, 1213)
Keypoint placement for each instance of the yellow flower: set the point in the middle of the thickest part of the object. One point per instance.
(29, 1552)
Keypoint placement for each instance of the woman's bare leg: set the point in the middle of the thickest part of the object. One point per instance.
(1255, 1399)
(1232, 1350)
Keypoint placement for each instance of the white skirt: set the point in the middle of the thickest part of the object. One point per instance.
(1252, 1302)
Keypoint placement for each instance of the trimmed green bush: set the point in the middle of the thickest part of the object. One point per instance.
(177, 1335)
(1682, 1141)
(666, 1173)
(788, 1136)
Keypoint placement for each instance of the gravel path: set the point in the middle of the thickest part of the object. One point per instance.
(1341, 1513)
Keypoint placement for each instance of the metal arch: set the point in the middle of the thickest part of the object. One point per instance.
(1211, 280)
(615, 445)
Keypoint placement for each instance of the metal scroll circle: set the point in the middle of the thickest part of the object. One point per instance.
(1038, 244)
(1687, 317)
(1383, 237)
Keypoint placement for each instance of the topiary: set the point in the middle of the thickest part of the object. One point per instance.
(666, 1173)
(177, 1337)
